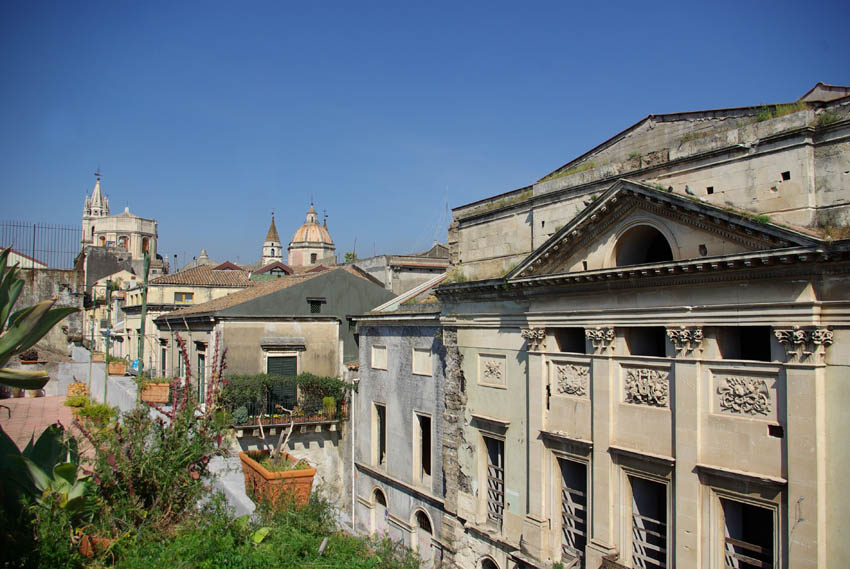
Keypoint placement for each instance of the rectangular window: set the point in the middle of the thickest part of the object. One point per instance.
(422, 452)
(748, 541)
(379, 434)
(422, 361)
(315, 307)
(495, 450)
(284, 394)
(181, 370)
(163, 367)
(573, 509)
(646, 341)
(184, 297)
(202, 365)
(744, 342)
(379, 357)
(649, 523)
(570, 340)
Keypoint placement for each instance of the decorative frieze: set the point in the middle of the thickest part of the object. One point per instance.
(645, 386)
(535, 337)
(573, 379)
(491, 369)
(800, 343)
(744, 395)
(601, 338)
(685, 339)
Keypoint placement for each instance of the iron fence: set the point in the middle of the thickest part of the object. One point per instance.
(42, 245)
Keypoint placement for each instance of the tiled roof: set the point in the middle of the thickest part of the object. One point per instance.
(272, 233)
(274, 265)
(260, 288)
(205, 275)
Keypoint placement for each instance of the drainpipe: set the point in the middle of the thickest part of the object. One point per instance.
(353, 470)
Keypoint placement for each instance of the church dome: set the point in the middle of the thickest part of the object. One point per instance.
(311, 231)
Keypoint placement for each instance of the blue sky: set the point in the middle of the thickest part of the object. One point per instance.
(206, 115)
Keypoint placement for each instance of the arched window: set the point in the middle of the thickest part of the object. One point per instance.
(145, 244)
(92, 233)
(488, 563)
(642, 244)
(272, 254)
(421, 537)
(380, 512)
(123, 241)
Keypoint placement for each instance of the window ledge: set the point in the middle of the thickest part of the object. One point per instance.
(739, 475)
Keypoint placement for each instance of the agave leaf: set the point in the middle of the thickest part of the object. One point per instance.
(22, 326)
(38, 476)
(23, 379)
(48, 449)
(242, 521)
(44, 324)
(66, 471)
(8, 298)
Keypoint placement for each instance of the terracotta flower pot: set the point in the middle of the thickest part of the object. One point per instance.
(156, 392)
(270, 486)
(91, 545)
(98, 357)
(116, 368)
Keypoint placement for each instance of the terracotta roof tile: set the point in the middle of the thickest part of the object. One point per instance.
(260, 288)
(205, 275)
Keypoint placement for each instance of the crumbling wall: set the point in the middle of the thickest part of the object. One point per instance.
(66, 287)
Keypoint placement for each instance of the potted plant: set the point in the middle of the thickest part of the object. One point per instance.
(29, 356)
(77, 388)
(270, 479)
(77, 402)
(98, 357)
(115, 366)
(156, 390)
(273, 474)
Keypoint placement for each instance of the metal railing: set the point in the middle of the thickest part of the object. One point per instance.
(42, 245)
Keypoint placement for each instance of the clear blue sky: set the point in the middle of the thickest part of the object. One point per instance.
(206, 115)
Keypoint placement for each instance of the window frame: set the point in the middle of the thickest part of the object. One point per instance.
(184, 295)
(379, 347)
(419, 476)
(627, 511)
(430, 367)
(718, 525)
(378, 435)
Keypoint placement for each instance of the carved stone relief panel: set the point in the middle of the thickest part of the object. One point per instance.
(745, 395)
(535, 337)
(571, 378)
(802, 343)
(646, 386)
(492, 370)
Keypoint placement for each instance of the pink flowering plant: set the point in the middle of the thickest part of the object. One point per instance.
(152, 466)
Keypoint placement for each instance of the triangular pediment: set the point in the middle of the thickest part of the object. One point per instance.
(632, 224)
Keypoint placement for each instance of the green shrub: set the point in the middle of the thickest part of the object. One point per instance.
(826, 118)
(240, 416)
(99, 413)
(77, 401)
(329, 405)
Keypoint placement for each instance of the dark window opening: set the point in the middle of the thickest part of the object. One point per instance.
(649, 341)
(283, 366)
(642, 244)
(381, 419)
(786, 176)
(709, 190)
(776, 431)
(573, 509)
(570, 340)
(703, 250)
(488, 564)
(422, 522)
(649, 523)
(313, 257)
(584, 265)
(495, 480)
(380, 499)
(424, 446)
(315, 307)
(748, 541)
(744, 343)
(272, 253)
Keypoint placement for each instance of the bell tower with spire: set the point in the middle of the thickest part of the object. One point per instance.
(96, 208)
(272, 249)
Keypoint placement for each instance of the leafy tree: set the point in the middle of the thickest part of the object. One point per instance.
(350, 257)
(20, 330)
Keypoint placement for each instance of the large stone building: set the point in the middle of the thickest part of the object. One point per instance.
(399, 488)
(645, 351)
